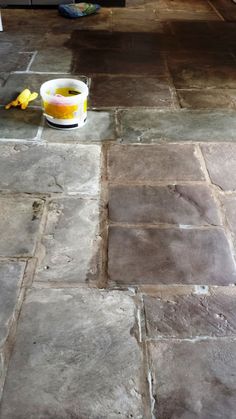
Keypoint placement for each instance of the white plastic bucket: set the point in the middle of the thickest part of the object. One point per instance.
(67, 111)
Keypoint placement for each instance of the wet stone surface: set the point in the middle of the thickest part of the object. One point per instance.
(189, 316)
(77, 360)
(147, 126)
(50, 168)
(50, 59)
(153, 163)
(173, 204)
(169, 256)
(70, 244)
(200, 385)
(19, 225)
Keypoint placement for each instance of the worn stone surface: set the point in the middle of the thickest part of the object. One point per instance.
(50, 59)
(70, 243)
(221, 164)
(188, 316)
(173, 204)
(100, 126)
(50, 168)
(200, 385)
(169, 256)
(109, 91)
(153, 163)
(17, 82)
(68, 355)
(19, 224)
(203, 99)
(19, 125)
(229, 203)
(202, 70)
(146, 126)
(11, 275)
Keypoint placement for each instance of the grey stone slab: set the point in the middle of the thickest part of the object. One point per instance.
(169, 256)
(70, 243)
(19, 124)
(153, 163)
(59, 168)
(148, 125)
(99, 126)
(229, 203)
(207, 99)
(17, 82)
(221, 164)
(188, 316)
(53, 59)
(11, 275)
(194, 380)
(75, 357)
(11, 59)
(19, 224)
(173, 204)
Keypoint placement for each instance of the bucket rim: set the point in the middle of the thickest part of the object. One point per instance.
(80, 83)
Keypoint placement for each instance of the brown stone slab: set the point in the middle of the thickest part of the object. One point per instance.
(123, 91)
(194, 379)
(153, 163)
(173, 204)
(188, 316)
(226, 9)
(221, 164)
(207, 99)
(202, 70)
(169, 256)
(109, 61)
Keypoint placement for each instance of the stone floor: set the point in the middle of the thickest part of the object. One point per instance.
(117, 241)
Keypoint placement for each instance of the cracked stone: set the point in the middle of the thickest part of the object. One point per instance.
(169, 256)
(188, 316)
(19, 224)
(70, 346)
(173, 204)
(50, 168)
(153, 163)
(177, 125)
(221, 164)
(11, 276)
(100, 126)
(200, 385)
(229, 202)
(70, 244)
(19, 125)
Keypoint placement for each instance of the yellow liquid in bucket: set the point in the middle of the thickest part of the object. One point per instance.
(61, 111)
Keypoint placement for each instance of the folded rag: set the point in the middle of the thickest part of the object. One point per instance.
(73, 11)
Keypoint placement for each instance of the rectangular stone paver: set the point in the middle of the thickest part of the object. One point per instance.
(188, 316)
(153, 163)
(11, 275)
(194, 380)
(19, 125)
(50, 168)
(149, 125)
(19, 224)
(100, 126)
(50, 59)
(75, 357)
(70, 243)
(169, 256)
(203, 99)
(173, 204)
(221, 164)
